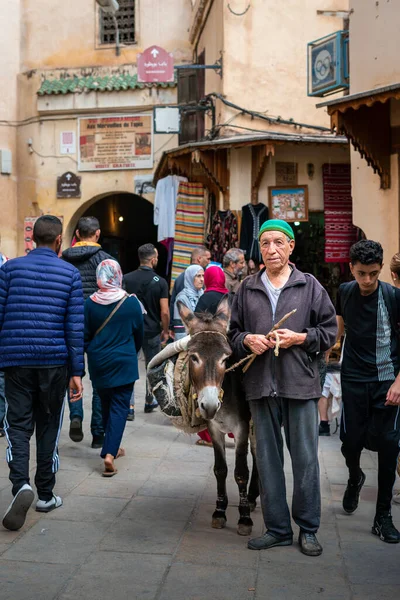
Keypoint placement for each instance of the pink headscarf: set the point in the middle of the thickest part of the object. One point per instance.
(109, 282)
(214, 280)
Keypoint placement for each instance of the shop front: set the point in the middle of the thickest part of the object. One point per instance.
(231, 185)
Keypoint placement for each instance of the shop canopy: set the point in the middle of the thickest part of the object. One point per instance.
(365, 120)
(207, 161)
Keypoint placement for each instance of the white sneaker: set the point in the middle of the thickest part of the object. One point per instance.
(45, 507)
(16, 513)
(396, 498)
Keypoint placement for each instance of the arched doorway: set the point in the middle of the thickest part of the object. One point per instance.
(126, 222)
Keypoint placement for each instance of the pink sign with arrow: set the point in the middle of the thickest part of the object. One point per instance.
(155, 65)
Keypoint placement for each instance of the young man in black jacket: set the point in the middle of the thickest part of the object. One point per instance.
(86, 255)
(368, 310)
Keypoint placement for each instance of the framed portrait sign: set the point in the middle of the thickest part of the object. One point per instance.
(289, 203)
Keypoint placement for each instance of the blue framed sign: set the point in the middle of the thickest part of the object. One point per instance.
(328, 64)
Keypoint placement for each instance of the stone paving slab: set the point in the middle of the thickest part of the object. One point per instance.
(146, 533)
(196, 582)
(60, 542)
(118, 576)
(26, 580)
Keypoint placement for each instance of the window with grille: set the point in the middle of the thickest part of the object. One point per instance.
(126, 24)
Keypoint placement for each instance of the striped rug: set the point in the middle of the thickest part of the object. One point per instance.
(189, 225)
(340, 233)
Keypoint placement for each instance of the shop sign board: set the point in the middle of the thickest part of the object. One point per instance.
(115, 142)
(286, 173)
(69, 185)
(155, 65)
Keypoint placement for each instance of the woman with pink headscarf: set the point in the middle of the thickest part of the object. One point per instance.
(113, 337)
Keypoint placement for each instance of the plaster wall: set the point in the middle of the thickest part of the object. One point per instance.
(240, 171)
(376, 211)
(10, 53)
(265, 58)
(65, 34)
(58, 38)
(374, 44)
(211, 41)
(39, 171)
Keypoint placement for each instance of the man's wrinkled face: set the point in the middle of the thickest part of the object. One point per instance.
(238, 266)
(366, 276)
(275, 250)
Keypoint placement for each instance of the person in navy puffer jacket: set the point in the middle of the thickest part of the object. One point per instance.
(41, 350)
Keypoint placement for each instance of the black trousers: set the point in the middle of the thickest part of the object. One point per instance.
(367, 423)
(35, 399)
(151, 346)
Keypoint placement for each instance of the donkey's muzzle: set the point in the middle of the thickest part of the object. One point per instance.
(209, 402)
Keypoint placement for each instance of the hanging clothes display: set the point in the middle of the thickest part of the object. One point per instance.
(253, 216)
(223, 234)
(165, 206)
(189, 225)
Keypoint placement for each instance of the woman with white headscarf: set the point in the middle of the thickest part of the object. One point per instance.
(189, 296)
(113, 337)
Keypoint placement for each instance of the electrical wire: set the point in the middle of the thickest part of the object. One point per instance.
(52, 155)
(166, 144)
(245, 128)
(264, 117)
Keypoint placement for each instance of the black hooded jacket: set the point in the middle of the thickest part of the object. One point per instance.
(86, 259)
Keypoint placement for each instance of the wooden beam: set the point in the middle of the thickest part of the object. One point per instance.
(368, 129)
(259, 160)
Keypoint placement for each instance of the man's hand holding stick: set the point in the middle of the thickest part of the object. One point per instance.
(272, 333)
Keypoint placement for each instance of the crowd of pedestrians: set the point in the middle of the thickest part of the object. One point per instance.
(83, 304)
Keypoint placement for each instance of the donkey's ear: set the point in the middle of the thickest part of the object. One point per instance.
(186, 314)
(224, 311)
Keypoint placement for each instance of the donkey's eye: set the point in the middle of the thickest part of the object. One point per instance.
(194, 358)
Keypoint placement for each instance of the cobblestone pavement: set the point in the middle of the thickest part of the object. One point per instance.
(145, 534)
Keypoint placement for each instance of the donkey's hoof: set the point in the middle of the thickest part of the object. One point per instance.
(253, 505)
(244, 529)
(218, 522)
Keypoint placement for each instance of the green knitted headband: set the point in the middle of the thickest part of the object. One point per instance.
(277, 225)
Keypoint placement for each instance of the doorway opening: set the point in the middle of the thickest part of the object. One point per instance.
(126, 222)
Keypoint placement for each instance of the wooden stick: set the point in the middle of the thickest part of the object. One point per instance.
(275, 327)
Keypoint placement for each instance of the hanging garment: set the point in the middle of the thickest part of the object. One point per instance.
(340, 233)
(165, 206)
(189, 226)
(253, 216)
(223, 234)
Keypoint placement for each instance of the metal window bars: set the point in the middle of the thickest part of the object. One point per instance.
(125, 17)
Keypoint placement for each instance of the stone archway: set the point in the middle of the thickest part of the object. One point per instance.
(126, 222)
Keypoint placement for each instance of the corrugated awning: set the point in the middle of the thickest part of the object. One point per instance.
(364, 118)
(268, 139)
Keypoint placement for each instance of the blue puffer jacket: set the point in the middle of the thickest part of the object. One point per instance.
(41, 312)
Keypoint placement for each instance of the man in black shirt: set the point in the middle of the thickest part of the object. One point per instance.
(152, 291)
(368, 311)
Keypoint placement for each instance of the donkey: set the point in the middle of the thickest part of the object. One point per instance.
(221, 404)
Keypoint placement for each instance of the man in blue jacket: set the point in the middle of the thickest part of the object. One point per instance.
(41, 349)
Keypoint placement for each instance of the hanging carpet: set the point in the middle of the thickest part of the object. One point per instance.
(189, 225)
(340, 233)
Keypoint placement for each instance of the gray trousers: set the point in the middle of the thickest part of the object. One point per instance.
(299, 419)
